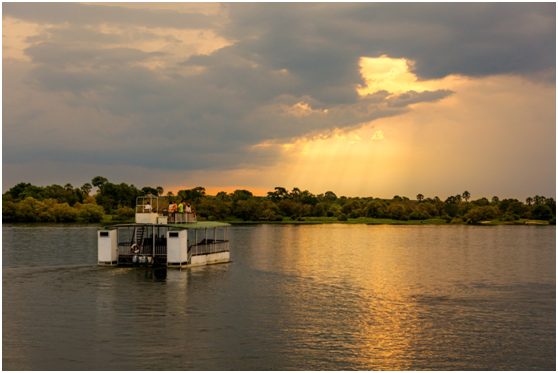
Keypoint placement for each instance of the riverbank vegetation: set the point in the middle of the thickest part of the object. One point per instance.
(116, 202)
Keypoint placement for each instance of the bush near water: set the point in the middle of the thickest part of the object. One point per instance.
(28, 203)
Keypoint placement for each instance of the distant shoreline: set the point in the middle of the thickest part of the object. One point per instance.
(538, 223)
(364, 221)
(392, 222)
(315, 221)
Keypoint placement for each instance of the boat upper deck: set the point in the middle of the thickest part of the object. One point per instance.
(196, 225)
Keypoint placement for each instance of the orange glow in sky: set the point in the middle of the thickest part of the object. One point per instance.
(408, 153)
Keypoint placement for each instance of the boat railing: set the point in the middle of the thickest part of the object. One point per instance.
(185, 217)
(181, 217)
(202, 248)
(146, 249)
(208, 247)
(161, 250)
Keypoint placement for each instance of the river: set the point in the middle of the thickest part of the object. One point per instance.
(308, 297)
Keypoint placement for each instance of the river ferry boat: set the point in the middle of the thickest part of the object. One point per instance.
(160, 238)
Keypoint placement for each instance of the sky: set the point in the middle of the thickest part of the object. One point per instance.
(362, 99)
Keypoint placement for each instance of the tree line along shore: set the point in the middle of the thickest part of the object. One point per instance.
(116, 203)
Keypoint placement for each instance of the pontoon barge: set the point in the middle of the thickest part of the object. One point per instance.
(152, 241)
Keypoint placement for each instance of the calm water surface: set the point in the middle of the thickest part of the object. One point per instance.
(323, 297)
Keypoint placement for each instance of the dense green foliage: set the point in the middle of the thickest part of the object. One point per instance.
(26, 202)
(66, 194)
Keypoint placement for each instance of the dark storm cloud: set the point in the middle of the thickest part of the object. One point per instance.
(62, 55)
(88, 14)
(412, 97)
(443, 39)
(281, 58)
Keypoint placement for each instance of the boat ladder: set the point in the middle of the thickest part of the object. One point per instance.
(139, 234)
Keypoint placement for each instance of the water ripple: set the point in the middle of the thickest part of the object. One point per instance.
(331, 297)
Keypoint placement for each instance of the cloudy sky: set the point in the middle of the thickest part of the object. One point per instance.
(361, 99)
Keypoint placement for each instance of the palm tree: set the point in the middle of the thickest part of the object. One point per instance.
(420, 197)
(529, 200)
(495, 199)
(160, 190)
(466, 195)
(458, 198)
(537, 199)
(68, 186)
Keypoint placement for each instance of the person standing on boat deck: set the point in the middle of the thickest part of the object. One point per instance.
(172, 207)
(181, 207)
(188, 210)
(181, 211)
(147, 207)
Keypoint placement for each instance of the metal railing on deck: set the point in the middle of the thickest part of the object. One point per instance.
(208, 247)
(160, 250)
(185, 218)
(181, 218)
(126, 249)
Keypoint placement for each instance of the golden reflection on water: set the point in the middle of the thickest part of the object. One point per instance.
(367, 293)
(388, 324)
(373, 278)
(387, 334)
